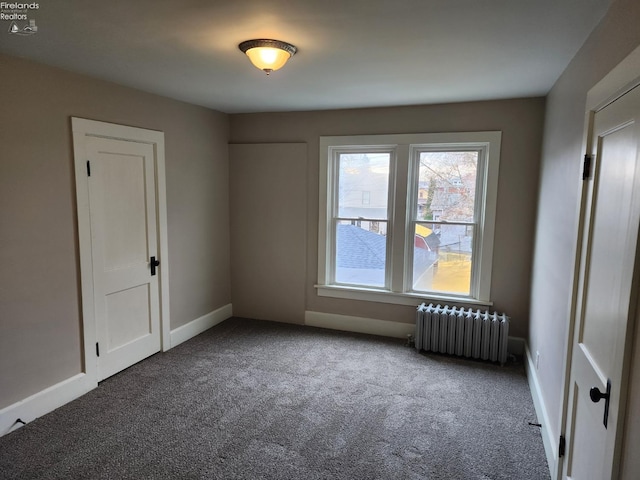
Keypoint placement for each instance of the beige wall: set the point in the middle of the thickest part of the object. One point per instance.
(556, 229)
(40, 332)
(268, 230)
(521, 124)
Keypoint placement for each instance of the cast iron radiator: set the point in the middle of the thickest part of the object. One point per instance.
(463, 332)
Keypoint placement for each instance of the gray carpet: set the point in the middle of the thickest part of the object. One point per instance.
(261, 400)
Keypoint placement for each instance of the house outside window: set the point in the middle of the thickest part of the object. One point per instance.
(426, 228)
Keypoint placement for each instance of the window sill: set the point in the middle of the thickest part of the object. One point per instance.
(384, 296)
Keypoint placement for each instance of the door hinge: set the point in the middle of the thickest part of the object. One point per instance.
(88, 168)
(586, 167)
(97, 349)
(562, 445)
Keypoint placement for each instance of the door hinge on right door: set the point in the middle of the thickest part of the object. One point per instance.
(562, 445)
(586, 167)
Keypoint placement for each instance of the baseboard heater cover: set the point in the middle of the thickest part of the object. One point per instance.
(463, 332)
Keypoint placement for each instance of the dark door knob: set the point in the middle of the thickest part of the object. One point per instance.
(596, 395)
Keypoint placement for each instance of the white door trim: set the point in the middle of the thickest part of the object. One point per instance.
(620, 80)
(90, 128)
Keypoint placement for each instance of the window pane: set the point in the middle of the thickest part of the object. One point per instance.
(363, 185)
(447, 186)
(442, 258)
(361, 251)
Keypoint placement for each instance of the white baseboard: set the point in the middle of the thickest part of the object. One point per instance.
(199, 325)
(549, 438)
(348, 323)
(43, 402)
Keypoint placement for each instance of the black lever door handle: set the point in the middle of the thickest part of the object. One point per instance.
(596, 395)
(154, 263)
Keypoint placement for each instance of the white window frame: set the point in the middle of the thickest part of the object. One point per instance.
(403, 194)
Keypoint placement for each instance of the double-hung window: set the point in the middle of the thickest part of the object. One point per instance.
(406, 216)
(361, 207)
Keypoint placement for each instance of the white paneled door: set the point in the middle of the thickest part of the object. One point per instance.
(122, 204)
(120, 242)
(607, 294)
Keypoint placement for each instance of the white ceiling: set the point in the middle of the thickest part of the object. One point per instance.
(351, 53)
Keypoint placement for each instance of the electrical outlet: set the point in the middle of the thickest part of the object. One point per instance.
(537, 359)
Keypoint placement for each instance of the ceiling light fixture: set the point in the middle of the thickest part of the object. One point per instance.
(268, 55)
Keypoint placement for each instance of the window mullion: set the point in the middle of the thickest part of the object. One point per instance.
(399, 220)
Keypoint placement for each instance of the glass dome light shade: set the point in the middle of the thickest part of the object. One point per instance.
(268, 55)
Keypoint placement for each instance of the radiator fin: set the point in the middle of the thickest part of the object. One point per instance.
(462, 332)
